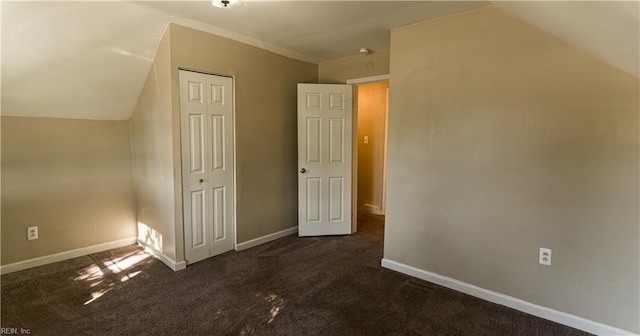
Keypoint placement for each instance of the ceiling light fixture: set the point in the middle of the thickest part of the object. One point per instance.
(225, 3)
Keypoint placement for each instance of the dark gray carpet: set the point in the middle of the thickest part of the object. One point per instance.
(292, 286)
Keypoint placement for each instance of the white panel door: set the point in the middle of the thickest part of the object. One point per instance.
(324, 159)
(206, 119)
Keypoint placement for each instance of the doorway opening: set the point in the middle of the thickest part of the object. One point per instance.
(371, 116)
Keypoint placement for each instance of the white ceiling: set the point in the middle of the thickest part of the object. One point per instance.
(316, 30)
(89, 60)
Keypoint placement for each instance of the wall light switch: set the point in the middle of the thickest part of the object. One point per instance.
(366, 139)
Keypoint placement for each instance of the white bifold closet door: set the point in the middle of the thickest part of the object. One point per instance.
(206, 126)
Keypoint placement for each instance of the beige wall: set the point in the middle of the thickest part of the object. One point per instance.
(372, 106)
(337, 71)
(152, 151)
(503, 139)
(71, 178)
(265, 121)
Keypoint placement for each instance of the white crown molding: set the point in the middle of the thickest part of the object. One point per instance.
(211, 29)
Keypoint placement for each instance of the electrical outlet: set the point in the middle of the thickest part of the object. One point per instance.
(544, 258)
(32, 233)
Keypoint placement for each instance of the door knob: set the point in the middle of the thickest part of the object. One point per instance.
(302, 170)
(201, 180)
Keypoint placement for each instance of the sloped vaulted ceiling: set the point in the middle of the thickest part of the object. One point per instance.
(83, 60)
(89, 60)
(609, 30)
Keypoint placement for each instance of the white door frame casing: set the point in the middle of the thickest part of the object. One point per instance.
(230, 180)
(369, 80)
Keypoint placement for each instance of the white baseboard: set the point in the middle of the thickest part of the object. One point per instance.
(265, 239)
(35, 262)
(172, 264)
(505, 300)
(373, 209)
